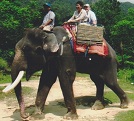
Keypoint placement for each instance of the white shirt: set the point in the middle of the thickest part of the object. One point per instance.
(79, 17)
(91, 17)
(48, 16)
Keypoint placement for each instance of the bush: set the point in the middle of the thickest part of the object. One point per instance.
(3, 64)
(126, 75)
(7, 55)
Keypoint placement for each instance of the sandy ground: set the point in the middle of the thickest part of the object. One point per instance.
(84, 91)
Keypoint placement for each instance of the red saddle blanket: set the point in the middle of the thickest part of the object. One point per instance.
(101, 50)
(93, 49)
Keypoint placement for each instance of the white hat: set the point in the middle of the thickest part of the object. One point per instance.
(87, 5)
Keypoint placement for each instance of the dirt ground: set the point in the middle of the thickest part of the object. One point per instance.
(84, 91)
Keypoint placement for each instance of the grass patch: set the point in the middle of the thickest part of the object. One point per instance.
(126, 86)
(111, 96)
(36, 75)
(26, 90)
(125, 116)
(5, 78)
(82, 75)
(126, 75)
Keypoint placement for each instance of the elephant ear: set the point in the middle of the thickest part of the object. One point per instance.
(50, 42)
(26, 30)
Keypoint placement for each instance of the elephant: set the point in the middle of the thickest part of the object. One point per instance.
(52, 53)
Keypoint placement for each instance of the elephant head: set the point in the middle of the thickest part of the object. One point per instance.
(30, 56)
(29, 53)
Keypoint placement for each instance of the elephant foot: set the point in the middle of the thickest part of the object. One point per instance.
(124, 105)
(38, 111)
(124, 102)
(97, 105)
(25, 117)
(70, 116)
(37, 115)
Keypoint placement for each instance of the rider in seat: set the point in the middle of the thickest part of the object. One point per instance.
(92, 20)
(78, 17)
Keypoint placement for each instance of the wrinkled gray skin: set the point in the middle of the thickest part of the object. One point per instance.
(35, 52)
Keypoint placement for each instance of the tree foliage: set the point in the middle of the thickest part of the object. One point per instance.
(122, 32)
(107, 12)
(63, 11)
(15, 16)
(19, 14)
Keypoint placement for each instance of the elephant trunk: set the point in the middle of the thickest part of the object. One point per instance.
(16, 70)
(19, 65)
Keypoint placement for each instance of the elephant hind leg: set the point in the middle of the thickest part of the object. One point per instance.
(99, 103)
(114, 86)
(110, 79)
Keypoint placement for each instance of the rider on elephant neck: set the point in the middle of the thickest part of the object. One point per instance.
(49, 18)
(79, 15)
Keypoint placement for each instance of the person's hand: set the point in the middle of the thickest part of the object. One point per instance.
(41, 27)
(71, 21)
(94, 25)
(65, 22)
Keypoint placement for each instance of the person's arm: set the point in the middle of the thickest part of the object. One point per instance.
(81, 16)
(52, 17)
(66, 22)
(93, 18)
(72, 18)
(47, 23)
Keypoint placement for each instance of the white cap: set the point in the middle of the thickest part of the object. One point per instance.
(87, 5)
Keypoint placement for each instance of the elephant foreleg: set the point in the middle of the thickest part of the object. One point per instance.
(66, 83)
(99, 103)
(48, 78)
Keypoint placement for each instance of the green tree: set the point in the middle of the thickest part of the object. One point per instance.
(107, 12)
(122, 33)
(63, 11)
(15, 16)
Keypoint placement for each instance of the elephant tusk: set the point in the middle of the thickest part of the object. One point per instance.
(63, 39)
(61, 44)
(61, 52)
(15, 83)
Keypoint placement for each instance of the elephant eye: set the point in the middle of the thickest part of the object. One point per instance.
(26, 48)
(45, 46)
(39, 50)
(44, 37)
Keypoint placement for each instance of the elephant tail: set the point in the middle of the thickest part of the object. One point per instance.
(120, 65)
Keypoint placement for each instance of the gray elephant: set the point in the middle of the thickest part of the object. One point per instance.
(52, 53)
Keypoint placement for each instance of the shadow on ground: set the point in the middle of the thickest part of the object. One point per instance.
(58, 108)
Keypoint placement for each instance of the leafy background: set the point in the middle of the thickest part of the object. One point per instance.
(116, 17)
